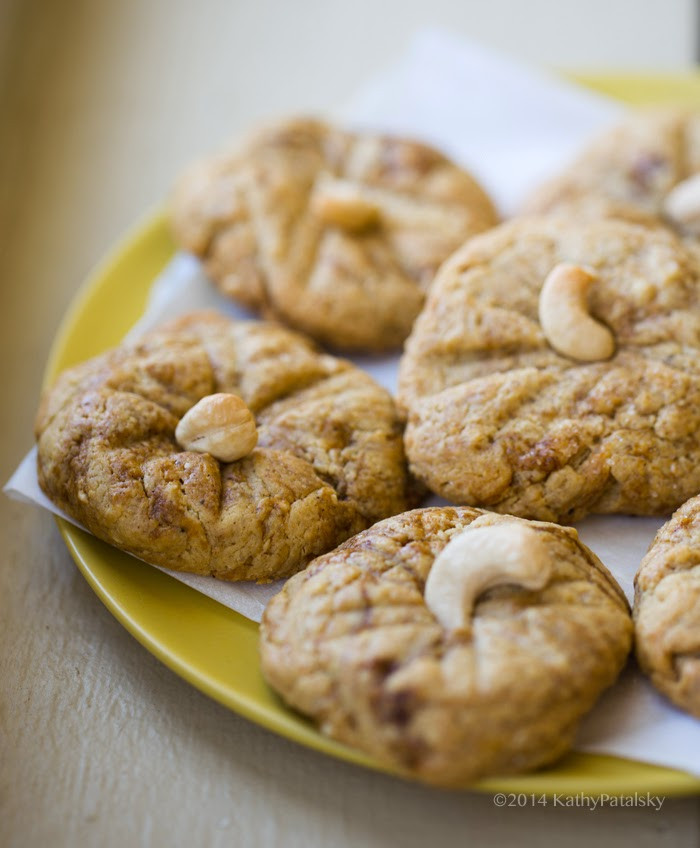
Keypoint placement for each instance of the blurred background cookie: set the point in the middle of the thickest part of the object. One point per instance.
(449, 643)
(335, 233)
(233, 449)
(645, 169)
(554, 372)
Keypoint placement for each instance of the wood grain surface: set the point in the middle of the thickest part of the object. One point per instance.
(99, 743)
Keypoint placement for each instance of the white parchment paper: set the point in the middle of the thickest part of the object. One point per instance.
(511, 126)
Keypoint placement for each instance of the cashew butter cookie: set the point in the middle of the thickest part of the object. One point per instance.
(667, 609)
(334, 233)
(645, 169)
(449, 643)
(232, 449)
(555, 372)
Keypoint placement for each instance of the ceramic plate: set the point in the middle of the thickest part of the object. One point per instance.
(214, 648)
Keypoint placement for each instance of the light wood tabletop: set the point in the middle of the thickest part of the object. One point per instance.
(100, 744)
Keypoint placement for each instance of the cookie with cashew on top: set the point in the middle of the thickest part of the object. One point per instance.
(228, 448)
(334, 233)
(667, 609)
(555, 372)
(449, 643)
(646, 169)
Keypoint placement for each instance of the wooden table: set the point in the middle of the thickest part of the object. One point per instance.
(100, 744)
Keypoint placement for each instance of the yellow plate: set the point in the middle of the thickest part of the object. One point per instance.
(214, 648)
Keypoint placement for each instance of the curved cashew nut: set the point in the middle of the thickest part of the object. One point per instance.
(564, 316)
(479, 559)
(682, 204)
(343, 204)
(219, 424)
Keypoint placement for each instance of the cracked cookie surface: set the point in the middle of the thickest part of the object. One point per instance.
(337, 234)
(329, 459)
(498, 418)
(351, 642)
(667, 609)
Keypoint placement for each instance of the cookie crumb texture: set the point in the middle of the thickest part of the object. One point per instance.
(351, 643)
(497, 418)
(667, 609)
(329, 460)
(333, 233)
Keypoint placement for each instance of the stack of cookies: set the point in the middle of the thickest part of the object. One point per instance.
(551, 370)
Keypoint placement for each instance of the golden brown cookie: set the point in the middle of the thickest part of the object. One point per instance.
(151, 446)
(645, 169)
(555, 372)
(449, 643)
(334, 233)
(667, 609)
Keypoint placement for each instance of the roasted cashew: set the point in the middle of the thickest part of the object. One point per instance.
(565, 319)
(682, 205)
(219, 424)
(343, 204)
(479, 559)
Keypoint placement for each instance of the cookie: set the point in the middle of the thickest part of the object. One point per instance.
(227, 448)
(334, 233)
(449, 643)
(646, 169)
(554, 372)
(667, 609)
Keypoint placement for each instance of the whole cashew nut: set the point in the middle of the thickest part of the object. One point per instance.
(565, 319)
(343, 204)
(479, 559)
(682, 205)
(219, 424)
